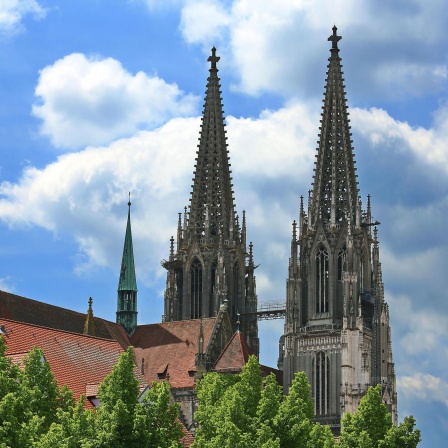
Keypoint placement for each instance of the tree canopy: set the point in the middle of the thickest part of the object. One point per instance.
(36, 412)
(371, 426)
(245, 411)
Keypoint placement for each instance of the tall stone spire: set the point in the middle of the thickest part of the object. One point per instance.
(337, 322)
(212, 208)
(209, 265)
(335, 189)
(127, 283)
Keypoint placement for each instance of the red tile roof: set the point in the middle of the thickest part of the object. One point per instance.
(235, 356)
(187, 438)
(168, 350)
(22, 309)
(78, 361)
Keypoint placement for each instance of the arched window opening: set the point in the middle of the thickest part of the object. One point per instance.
(213, 272)
(321, 384)
(362, 271)
(322, 281)
(236, 283)
(342, 262)
(196, 289)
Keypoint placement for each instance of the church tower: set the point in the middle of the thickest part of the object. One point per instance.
(127, 284)
(337, 321)
(210, 264)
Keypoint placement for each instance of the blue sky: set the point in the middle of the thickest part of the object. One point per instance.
(98, 98)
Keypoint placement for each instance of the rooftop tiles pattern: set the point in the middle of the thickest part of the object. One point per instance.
(22, 309)
(168, 350)
(78, 361)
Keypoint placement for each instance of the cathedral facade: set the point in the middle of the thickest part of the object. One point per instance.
(210, 262)
(337, 320)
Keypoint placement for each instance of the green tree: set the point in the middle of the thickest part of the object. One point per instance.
(321, 437)
(122, 421)
(294, 421)
(156, 423)
(371, 426)
(30, 399)
(74, 428)
(405, 435)
(235, 411)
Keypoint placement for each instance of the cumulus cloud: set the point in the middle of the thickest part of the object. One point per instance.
(384, 131)
(13, 12)
(424, 387)
(84, 193)
(278, 46)
(93, 100)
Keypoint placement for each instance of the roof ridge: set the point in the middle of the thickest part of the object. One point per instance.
(57, 329)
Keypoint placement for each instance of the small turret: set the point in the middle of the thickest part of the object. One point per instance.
(89, 326)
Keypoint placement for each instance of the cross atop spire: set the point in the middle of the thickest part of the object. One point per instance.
(213, 59)
(334, 38)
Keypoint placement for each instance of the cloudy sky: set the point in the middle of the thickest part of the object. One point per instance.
(98, 98)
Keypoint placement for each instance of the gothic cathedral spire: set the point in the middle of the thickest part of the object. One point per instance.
(337, 322)
(208, 267)
(335, 188)
(212, 208)
(127, 284)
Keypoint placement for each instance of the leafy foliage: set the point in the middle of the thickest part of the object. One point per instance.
(236, 411)
(371, 426)
(36, 412)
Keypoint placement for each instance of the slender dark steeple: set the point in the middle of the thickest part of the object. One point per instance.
(337, 322)
(207, 266)
(212, 208)
(127, 284)
(335, 189)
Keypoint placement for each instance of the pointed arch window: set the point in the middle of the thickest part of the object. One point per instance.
(362, 270)
(321, 383)
(196, 288)
(322, 280)
(342, 260)
(236, 283)
(213, 272)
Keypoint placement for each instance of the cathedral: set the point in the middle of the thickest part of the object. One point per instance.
(336, 318)
(337, 321)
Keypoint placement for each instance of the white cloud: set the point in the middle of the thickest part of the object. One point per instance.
(91, 100)
(12, 13)
(424, 387)
(6, 285)
(384, 131)
(204, 21)
(278, 46)
(422, 330)
(83, 193)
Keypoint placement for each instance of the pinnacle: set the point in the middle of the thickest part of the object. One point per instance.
(335, 190)
(212, 205)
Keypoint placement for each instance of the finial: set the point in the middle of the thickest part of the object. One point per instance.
(334, 38)
(129, 202)
(90, 303)
(171, 247)
(238, 321)
(213, 59)
(294, 230)
(251, 254)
